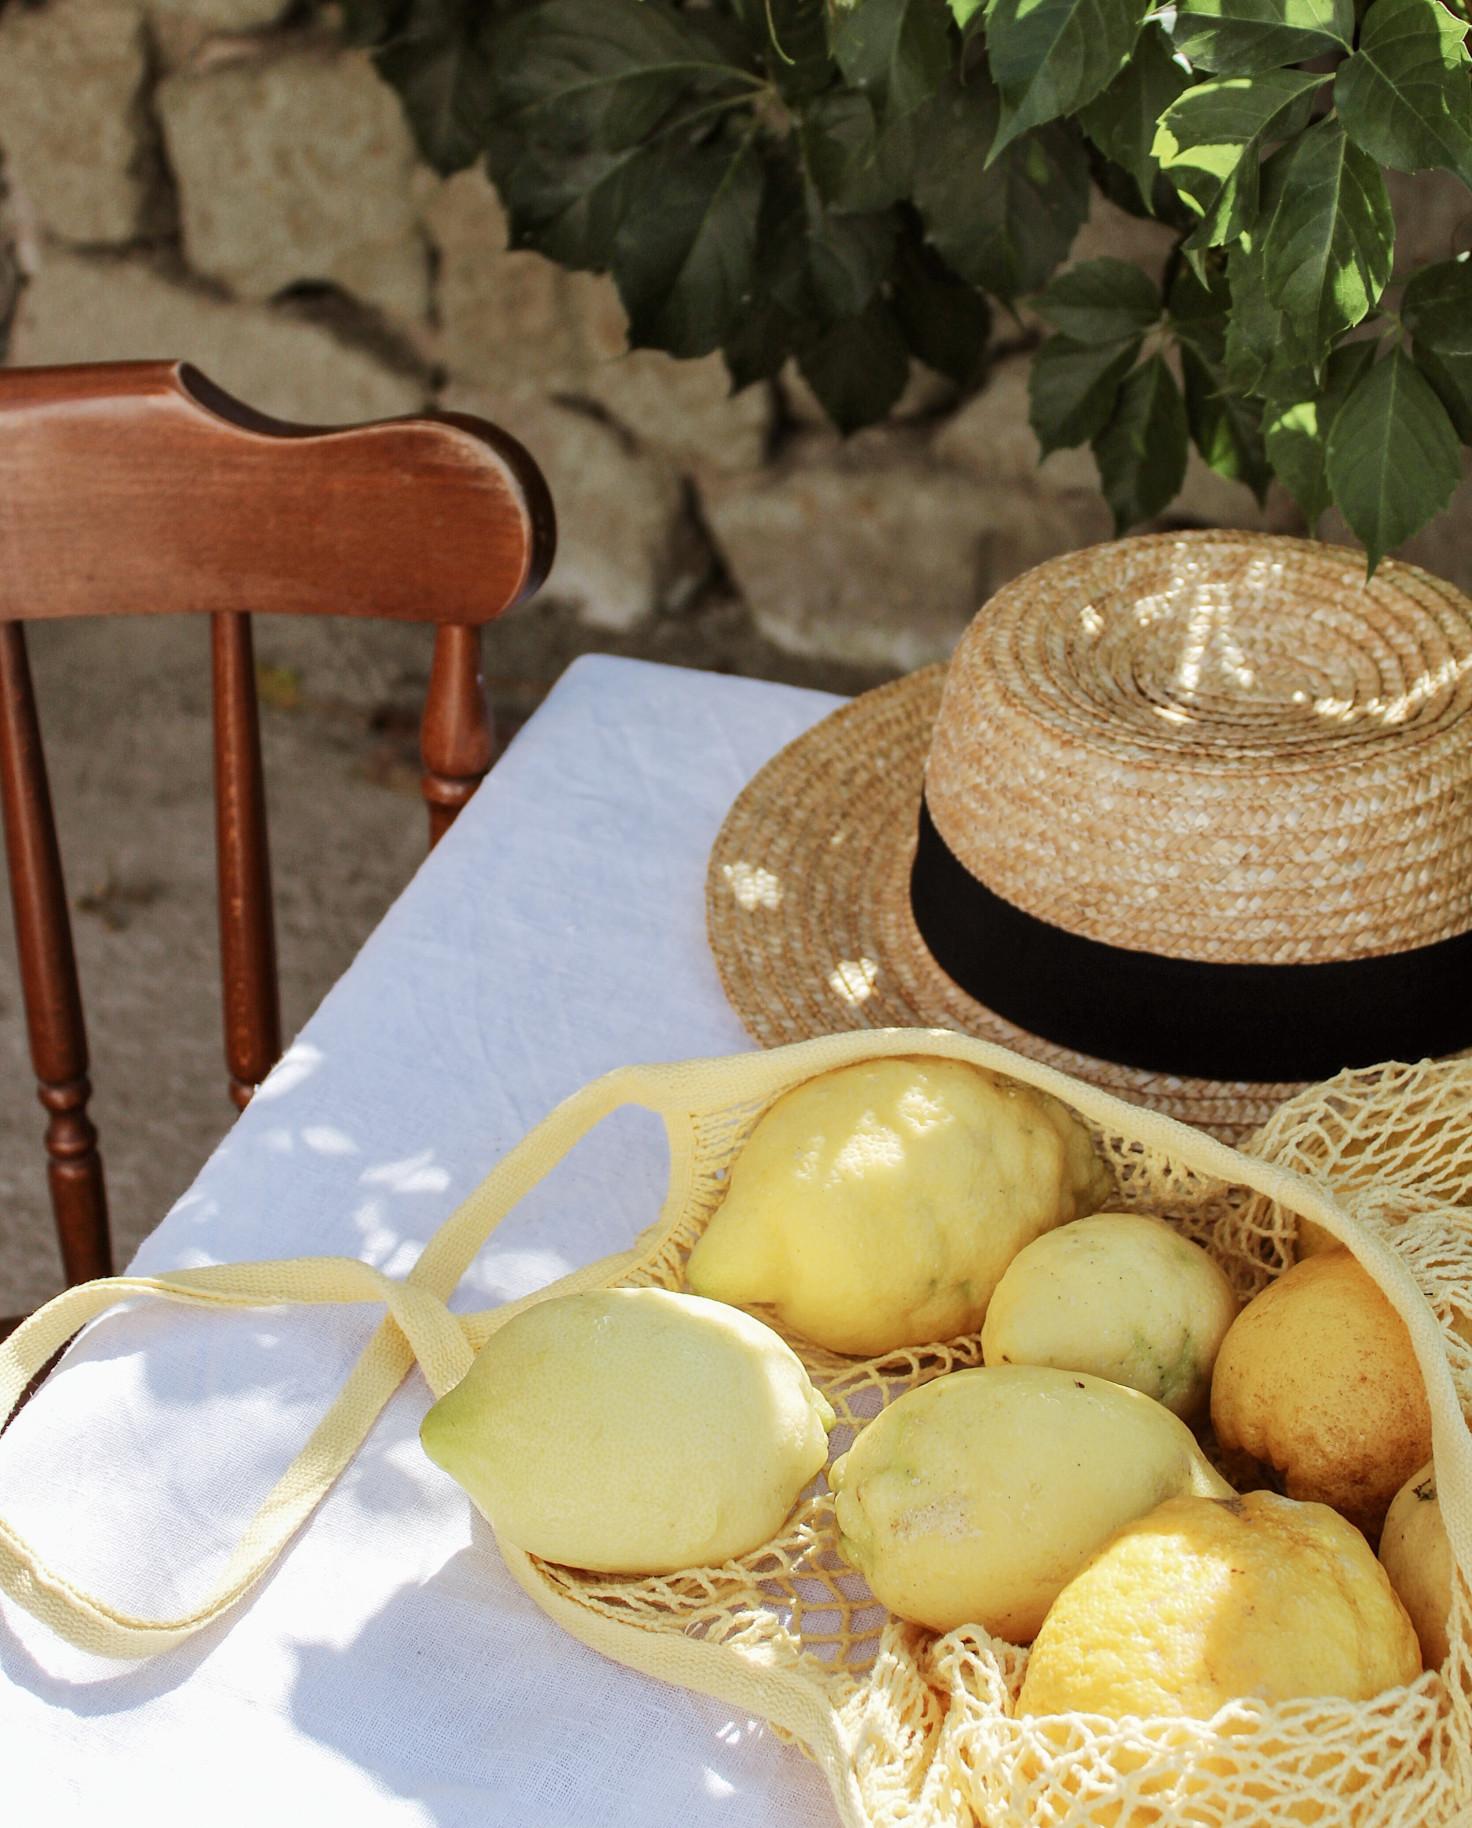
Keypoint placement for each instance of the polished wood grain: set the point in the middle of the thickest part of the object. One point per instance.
(251, 993)
(194, 502)
(457, 738)
(141, 488)
(43, 937)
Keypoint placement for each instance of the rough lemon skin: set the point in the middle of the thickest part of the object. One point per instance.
(1119, 1295)
(878, 1205)
(974, 1499)
(632, 1431)
(1206, 1601)
(1318, 1378)
(1415, 1553)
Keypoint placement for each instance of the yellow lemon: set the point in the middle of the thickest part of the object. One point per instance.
(975, 1498)
(1120, 1295)
(1317, 1377)
(877, 1206)
(1207, 1601)
(632, 1431)
(1415, 1553)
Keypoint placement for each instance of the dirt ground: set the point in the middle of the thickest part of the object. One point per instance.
(125, 709)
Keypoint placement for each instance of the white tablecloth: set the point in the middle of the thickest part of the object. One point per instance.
(389, 1671)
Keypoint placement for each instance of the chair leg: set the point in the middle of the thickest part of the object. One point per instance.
(456, 739)
(250, 988)
(48, 967)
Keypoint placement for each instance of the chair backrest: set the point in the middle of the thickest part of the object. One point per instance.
(140, 488)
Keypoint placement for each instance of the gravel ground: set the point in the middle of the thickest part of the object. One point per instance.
(125, 708)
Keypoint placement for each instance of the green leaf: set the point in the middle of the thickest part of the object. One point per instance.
(1295, 435)
(1073, 387)
(1199, 307)
(1100, 301)
(1393, 457)
(1225, 428)
(1210, 142)
(1006, 228)
(1328, 236)
(601, 74)
(791, 38)
(1049, 57)
(847, 257)
(568, 206)
(852, 163)
(438, 58)
(759, 342)
(1141, 452)
(945, 322)
(965, 11)
(1241, 37)
(859, 368)
(1436, 308)
(1404, 97)
(898, 52)
(1122, 120)
(684, 255)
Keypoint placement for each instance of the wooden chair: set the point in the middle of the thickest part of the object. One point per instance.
(140, 488)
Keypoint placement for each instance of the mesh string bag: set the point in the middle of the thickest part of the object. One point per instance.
(915, 1730)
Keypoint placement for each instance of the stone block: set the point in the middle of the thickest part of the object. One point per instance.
(510, 319)
(72, 123)
(295, 166)
(81, 308)
(1112, 230)
(620, 512)
(684, 408)
(224, 15)
(507, 318)
(991, 437)
(1433, 218)
(877, 556)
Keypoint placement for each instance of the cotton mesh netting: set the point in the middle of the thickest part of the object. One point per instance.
(925, 1725)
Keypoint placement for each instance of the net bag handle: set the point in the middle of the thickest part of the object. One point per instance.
(419, 1328)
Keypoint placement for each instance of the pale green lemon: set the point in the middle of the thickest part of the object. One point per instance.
(974, 1499)
(877, 1206)
(1120, 1295)
(632, 1431)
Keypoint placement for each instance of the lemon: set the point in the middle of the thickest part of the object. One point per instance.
(1317, 1377)
(1207, 1601)
(1119, 1295)
(1415, 1553)
(973, 1499)
(632, 1431)
(877, 1206)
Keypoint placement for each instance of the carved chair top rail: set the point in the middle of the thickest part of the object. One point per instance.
(132, 488)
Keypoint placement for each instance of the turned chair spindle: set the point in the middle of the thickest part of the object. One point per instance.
(142, 488)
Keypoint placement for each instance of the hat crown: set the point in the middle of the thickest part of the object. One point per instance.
(1216, 746)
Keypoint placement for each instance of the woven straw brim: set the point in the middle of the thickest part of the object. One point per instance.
(808, 909)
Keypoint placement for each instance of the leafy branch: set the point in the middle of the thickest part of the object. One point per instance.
(855, 184)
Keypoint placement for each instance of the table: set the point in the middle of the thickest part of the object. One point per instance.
(388, 1671)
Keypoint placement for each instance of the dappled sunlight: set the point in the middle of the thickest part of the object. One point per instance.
(300, 1061)
(752, 886)
(852, 980)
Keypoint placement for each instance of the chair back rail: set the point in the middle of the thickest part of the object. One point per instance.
(141, 488)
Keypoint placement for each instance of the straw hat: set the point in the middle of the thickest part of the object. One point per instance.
(1194, 818)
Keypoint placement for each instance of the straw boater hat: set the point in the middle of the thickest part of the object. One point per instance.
(1188, 816)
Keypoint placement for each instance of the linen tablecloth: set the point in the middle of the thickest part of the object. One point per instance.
(388, 1671)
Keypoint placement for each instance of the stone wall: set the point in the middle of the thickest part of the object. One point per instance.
(192, 178)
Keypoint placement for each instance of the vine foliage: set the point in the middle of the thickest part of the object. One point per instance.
(856, 183)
